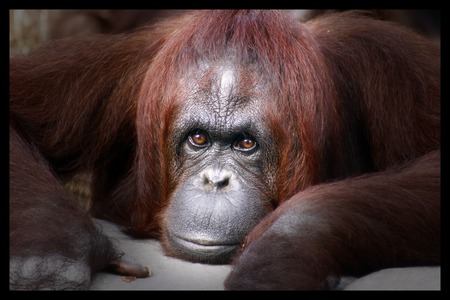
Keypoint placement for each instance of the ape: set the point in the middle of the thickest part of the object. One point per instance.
(301, 151)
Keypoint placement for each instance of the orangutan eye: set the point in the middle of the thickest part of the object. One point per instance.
(244, 144)
(198, 138)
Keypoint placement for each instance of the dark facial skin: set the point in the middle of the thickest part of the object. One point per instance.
(224, 163)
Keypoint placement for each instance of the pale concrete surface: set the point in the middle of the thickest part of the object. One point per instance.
(175, 274)
(414, 278)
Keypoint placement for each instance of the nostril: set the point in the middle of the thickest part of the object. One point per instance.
(222, 183)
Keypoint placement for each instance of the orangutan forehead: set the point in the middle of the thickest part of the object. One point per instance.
(221, 97)
(225, 82)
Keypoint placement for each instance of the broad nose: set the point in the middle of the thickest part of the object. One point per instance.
(217, 177)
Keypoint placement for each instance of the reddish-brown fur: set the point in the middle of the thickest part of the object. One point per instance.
(349, 95)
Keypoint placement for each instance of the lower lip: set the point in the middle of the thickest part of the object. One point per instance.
(202, 252)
